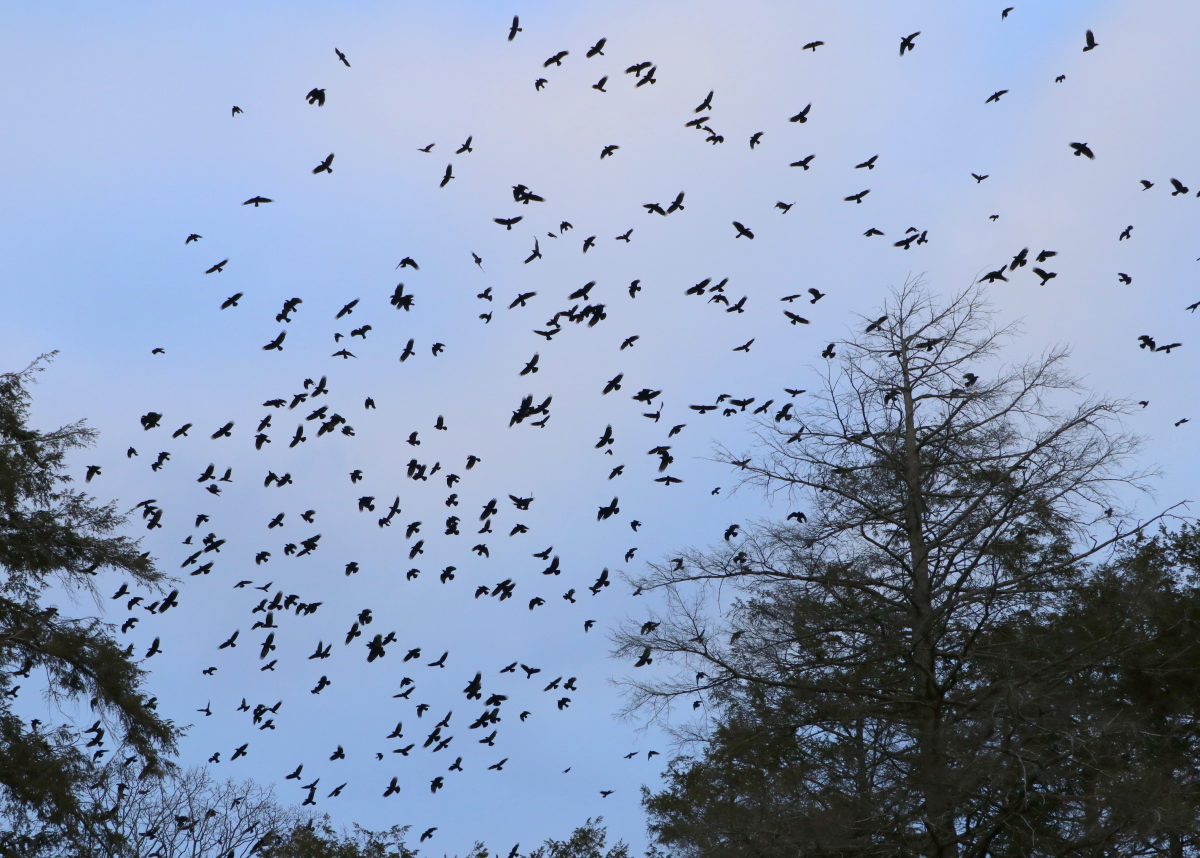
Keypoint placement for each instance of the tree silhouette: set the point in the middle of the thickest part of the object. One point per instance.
(948, 498)
(55, 539)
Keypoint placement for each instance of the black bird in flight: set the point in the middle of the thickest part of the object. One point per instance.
(1084, 150)
(742, 230)
(802, 116)
(555, 60)
(907, 43)
(1044, 276)
(325, 166)
(448, 176)
(597, 49)
(342, 57)
(192, 236)
(257, 201)
(316, 96)
(995, 96)
(515, 28)
(1089, 41)
(857, 198)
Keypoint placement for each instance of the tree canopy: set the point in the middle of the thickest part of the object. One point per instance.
(55, 538)
(889, 674)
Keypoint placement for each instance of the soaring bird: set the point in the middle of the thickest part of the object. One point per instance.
(514, 28)
(907, 43)
(316, 96)
(325, 166)
(1044, 276)
(742, 230)
(276, 344)
(257, 201)
(1084, 150)
(342, 57)
(1089, 41)
(802, 116)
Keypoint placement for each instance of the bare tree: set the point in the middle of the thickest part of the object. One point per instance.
(947, 496)
(189, 815)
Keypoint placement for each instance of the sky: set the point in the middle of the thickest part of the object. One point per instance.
(119, 142)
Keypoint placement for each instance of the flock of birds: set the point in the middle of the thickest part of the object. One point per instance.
(314, 414)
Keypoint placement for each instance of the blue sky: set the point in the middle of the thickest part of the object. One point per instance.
(119, 142)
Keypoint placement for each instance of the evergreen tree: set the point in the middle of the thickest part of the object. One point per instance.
(55, 539)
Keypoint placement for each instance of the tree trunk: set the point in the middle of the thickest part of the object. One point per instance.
(932, 770)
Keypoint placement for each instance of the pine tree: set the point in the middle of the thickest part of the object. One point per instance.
(55, 540)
